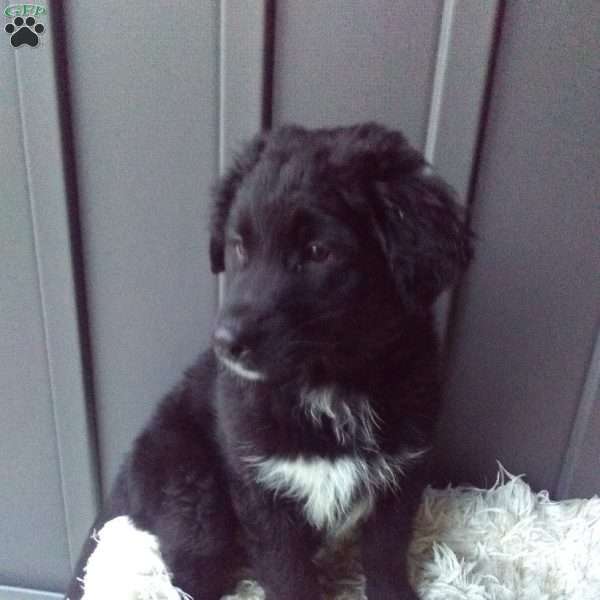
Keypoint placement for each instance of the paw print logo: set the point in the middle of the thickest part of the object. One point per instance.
(24, 31)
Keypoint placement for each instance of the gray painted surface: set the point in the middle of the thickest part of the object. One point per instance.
(580, 473)
(50, 205)
(585, 481)
(29, 469)
(531, 301)
(10, 593)
(145, 123)
(340, 63)
(241, 60)
(463, 56)
(47, 498)
(419, 67)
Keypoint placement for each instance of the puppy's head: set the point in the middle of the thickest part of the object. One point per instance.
(332, 240)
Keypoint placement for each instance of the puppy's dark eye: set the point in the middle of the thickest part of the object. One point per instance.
(317, 252)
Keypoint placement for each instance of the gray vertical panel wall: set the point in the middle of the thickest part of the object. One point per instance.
(531, 302)
(580, 472)
(340, 63)
(145, 121)
(48, 495)
(417, 66)
(29, 468)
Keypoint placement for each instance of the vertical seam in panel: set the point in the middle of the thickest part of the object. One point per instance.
(221, 54)
(221, 60)
(484, 111)
(268, 65)
(77, 269)
(29, 191)
(439, 78)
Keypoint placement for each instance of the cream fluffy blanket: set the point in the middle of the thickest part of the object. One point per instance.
(505, 543)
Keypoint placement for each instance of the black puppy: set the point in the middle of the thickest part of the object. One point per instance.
(313, 413)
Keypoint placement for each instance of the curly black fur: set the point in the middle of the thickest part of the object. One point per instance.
(335, 242)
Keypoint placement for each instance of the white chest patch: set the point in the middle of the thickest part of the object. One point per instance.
(325, 488)
(334, 494)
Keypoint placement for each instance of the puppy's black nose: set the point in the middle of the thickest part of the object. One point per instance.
(229, 343)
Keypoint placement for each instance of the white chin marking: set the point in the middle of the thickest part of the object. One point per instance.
(241, 371)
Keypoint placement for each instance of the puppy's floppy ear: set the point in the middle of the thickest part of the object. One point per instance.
(420, 226)
(424, 235)
(224, 195)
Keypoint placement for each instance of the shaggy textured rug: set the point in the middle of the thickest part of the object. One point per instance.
(503, 543)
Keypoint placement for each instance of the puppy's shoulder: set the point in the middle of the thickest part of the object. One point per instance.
(177, 445)
(189, 403)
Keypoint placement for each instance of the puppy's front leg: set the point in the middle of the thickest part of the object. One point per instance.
(384, 543)
(281, 547)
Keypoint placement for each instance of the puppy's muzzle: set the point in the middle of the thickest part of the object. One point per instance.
(233, 346)
(230, 343)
